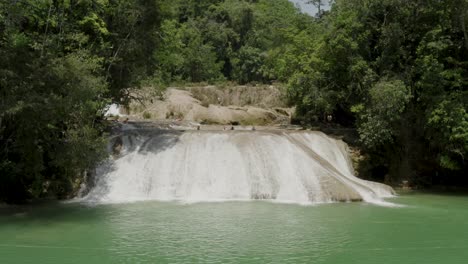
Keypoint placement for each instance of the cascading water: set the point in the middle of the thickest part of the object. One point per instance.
(193, 166)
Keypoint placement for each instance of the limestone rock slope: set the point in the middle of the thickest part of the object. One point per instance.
(243, 105)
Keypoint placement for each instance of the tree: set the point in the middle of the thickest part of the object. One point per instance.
(397, 70)
(59, 59)
(318, 4)
(379, 119)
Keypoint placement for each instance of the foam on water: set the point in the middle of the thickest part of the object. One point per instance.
(199, 166)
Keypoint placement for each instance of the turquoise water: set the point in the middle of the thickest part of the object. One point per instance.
(430, 229)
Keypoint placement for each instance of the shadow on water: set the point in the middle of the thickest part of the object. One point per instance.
(456, 192)
(143, 140)
(159, 141)
(48, 213)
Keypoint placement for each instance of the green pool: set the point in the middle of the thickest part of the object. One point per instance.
(429, 229)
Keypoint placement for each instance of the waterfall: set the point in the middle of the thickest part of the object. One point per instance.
(298, 167)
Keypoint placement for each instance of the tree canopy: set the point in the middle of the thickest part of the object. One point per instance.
(62, 63)
(398, 70)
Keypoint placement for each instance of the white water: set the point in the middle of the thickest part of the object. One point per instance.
(296, 167)
(113, 110)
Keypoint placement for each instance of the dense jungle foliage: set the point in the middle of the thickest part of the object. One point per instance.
(395, 70)
(61, 63)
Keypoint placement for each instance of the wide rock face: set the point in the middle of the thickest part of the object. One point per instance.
(212, 105)
(297, 167)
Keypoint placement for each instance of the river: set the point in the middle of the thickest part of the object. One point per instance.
(428, 229)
